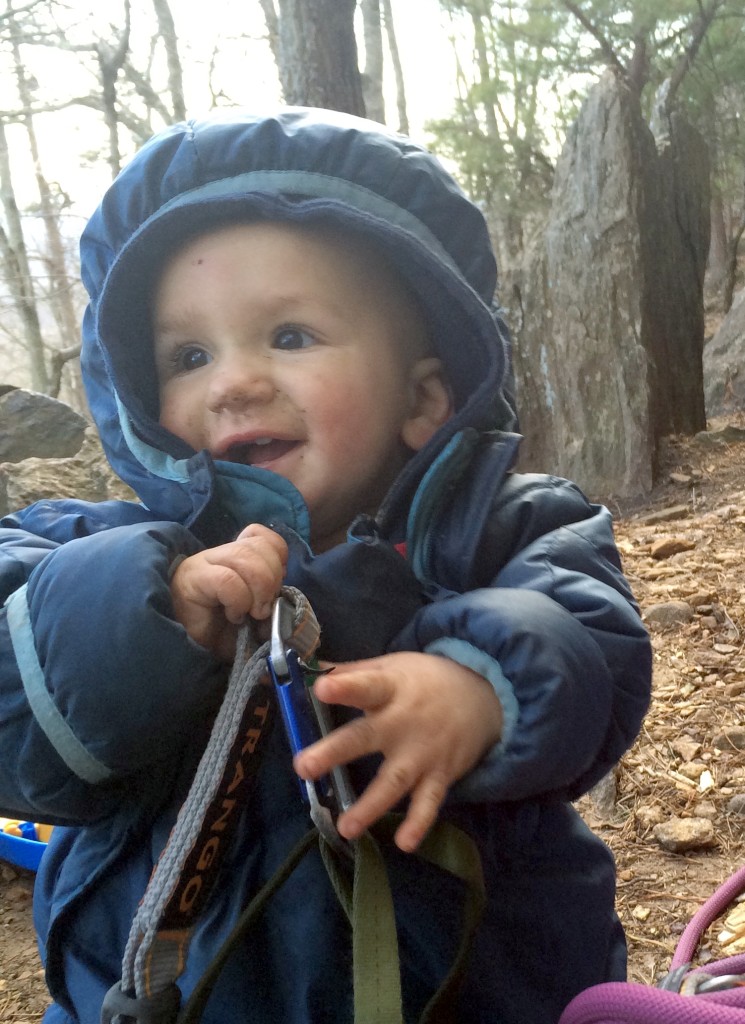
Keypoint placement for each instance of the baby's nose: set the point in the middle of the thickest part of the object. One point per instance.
(240, 385)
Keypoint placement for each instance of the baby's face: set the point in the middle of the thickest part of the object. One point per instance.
(295, 352)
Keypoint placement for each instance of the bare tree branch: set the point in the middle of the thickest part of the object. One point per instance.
(610, 55)
(698, 32)
(58, 358)
(110, 61)
(144, 88)
(7, 16)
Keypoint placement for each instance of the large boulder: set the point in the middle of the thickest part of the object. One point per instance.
(34, 425)
(608, 344)
(87, 475)
(724, 363)
(48, 451)
(581, 367)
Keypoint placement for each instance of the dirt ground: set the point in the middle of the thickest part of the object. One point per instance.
(682, 545)
(684, 549)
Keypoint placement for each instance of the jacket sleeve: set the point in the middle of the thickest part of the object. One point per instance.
(97, 681)
(557, 632)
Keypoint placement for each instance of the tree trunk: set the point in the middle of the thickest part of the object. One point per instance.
(175, 76)
(60, 280)
(18, 272)
(675, 246)
(272, 27)
(318, 55)
(718, 247)
(403, 115)
(372, 79)
(110, 60)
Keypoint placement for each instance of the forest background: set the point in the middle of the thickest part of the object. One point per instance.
(495, 89)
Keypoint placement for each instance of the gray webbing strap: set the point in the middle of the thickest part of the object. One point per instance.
(156, 951)
(158, 942)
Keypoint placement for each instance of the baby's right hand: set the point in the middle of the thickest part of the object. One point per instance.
(214, 590)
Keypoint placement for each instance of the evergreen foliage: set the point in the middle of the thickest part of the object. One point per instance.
(524, 67)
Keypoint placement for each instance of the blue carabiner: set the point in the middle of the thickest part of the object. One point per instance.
(306, 720)
(290, 683)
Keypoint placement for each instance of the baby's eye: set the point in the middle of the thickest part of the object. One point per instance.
(289, 338)
(190, 358)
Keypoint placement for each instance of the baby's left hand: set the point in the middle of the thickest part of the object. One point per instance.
(431, 718)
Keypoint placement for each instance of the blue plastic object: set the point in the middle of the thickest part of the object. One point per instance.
(23, 853)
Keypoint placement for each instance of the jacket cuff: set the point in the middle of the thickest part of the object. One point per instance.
(464, 653)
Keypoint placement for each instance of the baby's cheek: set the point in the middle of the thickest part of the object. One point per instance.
(181, 414)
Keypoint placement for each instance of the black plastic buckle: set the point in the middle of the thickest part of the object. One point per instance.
(120, 1008)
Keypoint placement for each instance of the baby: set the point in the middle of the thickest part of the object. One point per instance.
(293, 355)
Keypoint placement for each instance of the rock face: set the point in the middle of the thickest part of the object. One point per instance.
(36, 425)
(608, 354)
(724, 363)
(27, 475)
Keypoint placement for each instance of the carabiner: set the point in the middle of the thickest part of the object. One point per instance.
(306, 720)
(289, 681)
(700, 983)
(687, 982)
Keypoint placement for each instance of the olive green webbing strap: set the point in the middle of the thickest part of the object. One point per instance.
(368, 904)
(450, 849)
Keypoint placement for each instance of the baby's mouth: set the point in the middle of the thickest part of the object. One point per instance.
(259, 452)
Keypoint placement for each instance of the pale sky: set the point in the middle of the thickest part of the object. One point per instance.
(246, 73)
(421, 30)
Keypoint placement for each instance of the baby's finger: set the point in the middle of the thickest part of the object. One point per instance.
(342, 745)
(424, 807)
(253, 578)
(264, 533)
(392, 783)
(264, 549)
(226, 587)
(360, 684)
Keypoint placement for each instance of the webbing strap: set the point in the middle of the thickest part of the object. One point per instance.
(183, 878)
(451, 849)
(448, 848)
(369, 906)
(376, 970)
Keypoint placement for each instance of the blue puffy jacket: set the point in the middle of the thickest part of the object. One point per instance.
(106, 703)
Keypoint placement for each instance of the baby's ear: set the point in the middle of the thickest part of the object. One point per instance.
(430, 403)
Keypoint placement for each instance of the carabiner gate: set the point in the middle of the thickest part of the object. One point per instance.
(306, 720)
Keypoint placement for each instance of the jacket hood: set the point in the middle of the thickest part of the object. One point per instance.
(303, 166)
